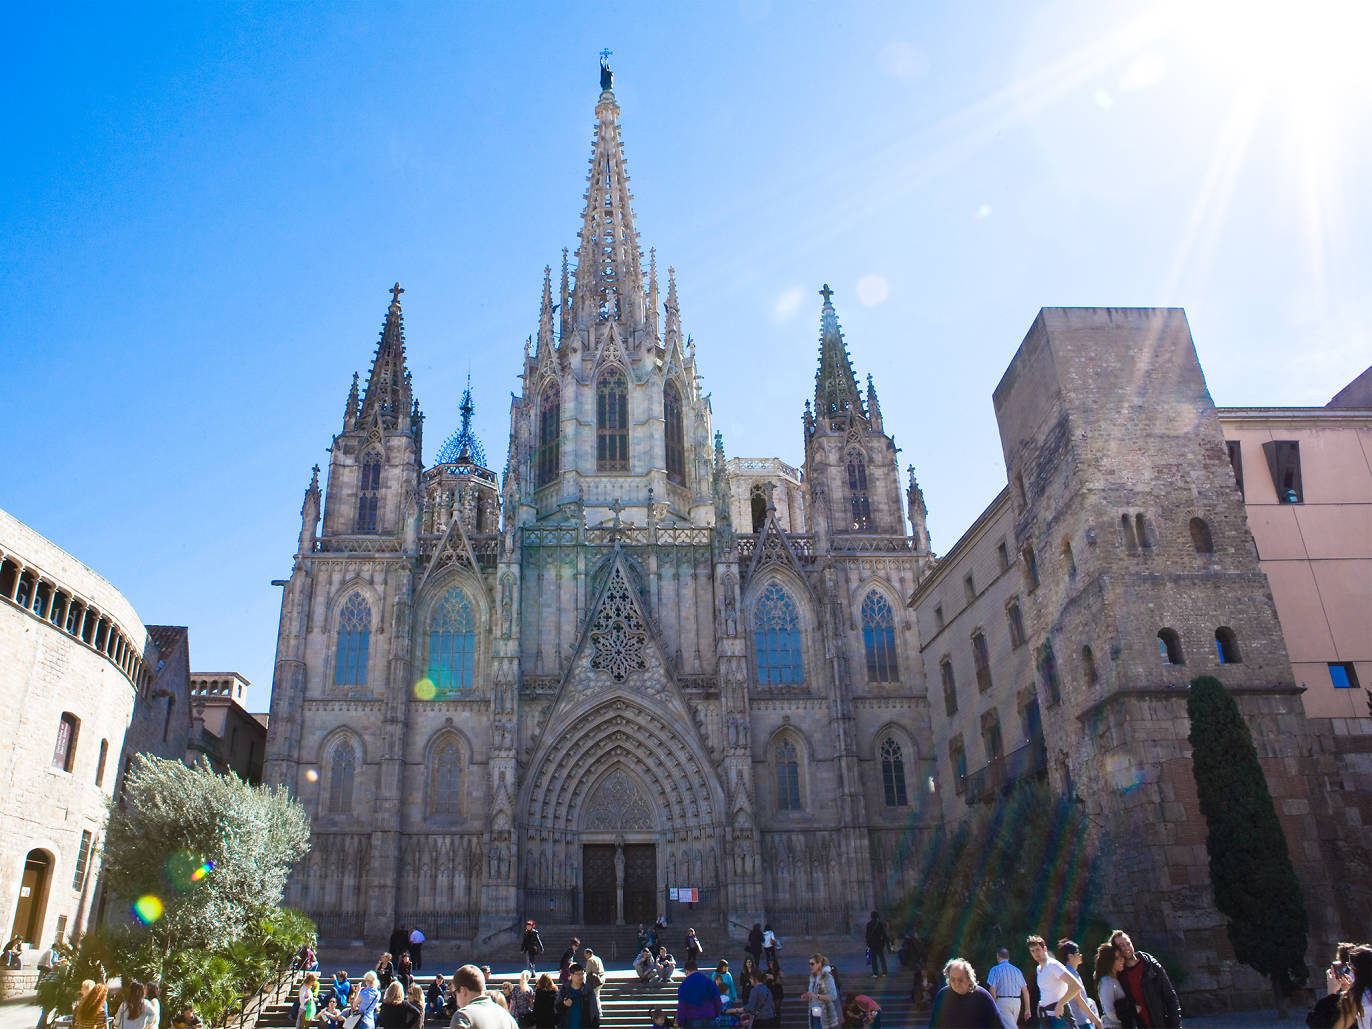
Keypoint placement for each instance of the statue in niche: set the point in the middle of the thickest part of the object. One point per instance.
(506, 606)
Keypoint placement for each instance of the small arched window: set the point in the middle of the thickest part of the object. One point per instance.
(1169, 647)
(788, 776)
(674, 433)
(354, 640)
(612, 422)
(549, 457)
(776, 633)
(893, 773)
(369, 492)
(858, 503)
(1200, 537)
(445, 778)
(879, 638)
(342, 770)
(1227, 646)
(452, 643)
(759, 508)
(64, 751)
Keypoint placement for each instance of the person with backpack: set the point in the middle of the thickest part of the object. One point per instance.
(531, 945)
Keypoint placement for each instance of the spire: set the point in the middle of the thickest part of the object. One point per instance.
(309, 514)
(388, 385)
(836, 390)
(462, 447)
(873, 407)
(652, 291)
(609, 273)
(545, 316)
(673, 308)
(350, 411)
(565, 307)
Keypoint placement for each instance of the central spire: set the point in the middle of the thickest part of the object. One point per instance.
(836, 391)
(388, 386)
(609, 270)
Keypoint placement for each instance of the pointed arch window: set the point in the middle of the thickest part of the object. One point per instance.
(859, 505)
(354, 640)
(452, 643)
(342, 769)
(893, 773)
(788, 776)
(758, 503)
(369, 492)
(673, 433)
(549, 454)
(879, 638)
(612, 422)
(776, 632)
(445, 778)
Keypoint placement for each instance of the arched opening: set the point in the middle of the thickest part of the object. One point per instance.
(369, 492)
(858, 502)
(612, 422)
(893, 773)
(33, 896)
(777, 636)
(673, 433)
(879, 638)
(1227, 646)
(759, 506)
(1200, 537)
(1169, 647)
(549, 435)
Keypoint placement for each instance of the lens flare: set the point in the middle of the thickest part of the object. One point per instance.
(202, 871)
(1123, 773)
(311, 775)
(424, 689)
(147, 909)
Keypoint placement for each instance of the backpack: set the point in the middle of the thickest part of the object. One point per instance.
(1325, 1013)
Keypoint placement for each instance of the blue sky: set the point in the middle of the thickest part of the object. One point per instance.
(204, 204)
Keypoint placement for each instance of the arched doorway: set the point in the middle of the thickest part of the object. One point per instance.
(33, 896)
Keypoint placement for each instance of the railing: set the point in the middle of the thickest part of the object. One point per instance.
(358, 545)
(999, 773)
(556, 906)
(846, 544)
(445, 926)
(817, 922)
(268, 992)
(345, 925)
(803, 547)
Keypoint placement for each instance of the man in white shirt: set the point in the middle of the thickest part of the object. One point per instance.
(417, 939)
(1057, 988)
(1007, 985)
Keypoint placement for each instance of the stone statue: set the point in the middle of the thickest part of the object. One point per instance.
(607, 77)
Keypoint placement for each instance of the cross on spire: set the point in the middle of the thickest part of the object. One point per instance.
(826, 293)
(395, 292)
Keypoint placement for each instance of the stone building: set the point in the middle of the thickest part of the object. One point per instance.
(622, 666)
(76, 664)
(1059, 634)
(231, 738)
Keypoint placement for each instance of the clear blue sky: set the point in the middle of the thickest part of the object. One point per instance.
(202, 206)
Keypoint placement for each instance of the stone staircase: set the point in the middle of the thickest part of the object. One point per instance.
(626, 1003)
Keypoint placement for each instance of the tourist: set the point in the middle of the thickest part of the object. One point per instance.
(1006, 984)
(1116, 1012)
(151, 990)
(776, 985)
(404, 970)
(1070, 955)
(863, 1012)
(414, 999)
(522, 998)
(1338, 976)
(754, 945)
(722, 972)
(14, 951)
(417, 939)
(760, 1011)
(1057, 988)
(394, 1011)
(331, 1016)
(693, 947)
(188, 1019)
(644, 965)
(657, 1017)
(47, 962)
(595, 979)
(545, 1003)
(367, 1001)
(822, 996)
(564, 964)
(1355, 1000)
(437, 997)
(90, 1010)
(1146, 984)
(307, 1002)
(532, 944)
(400, 939)
(385, 970)
(877, 942)
(665, 966)
(575, 1005)
(770, 943)
(962, 1004)
(134, 1010)
(341, 988)
(643, 938)
(476, 1009)
(697, 998)
(745, 975)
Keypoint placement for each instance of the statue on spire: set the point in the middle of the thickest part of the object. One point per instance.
(607, 77)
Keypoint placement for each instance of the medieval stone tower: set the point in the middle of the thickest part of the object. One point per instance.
(620, 670)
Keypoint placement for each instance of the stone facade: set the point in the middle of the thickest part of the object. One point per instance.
(626, 664)
(1124, 543)
(229, 736)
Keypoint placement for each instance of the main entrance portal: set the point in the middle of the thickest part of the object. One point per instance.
(619, 883)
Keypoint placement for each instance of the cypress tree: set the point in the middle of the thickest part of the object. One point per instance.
(1254, 882)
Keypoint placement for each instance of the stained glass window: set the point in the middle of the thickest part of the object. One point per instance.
(893, 773)
(354, 639)
(776, 631)
(879, 638)
(452, 642)
(788, 777)
(341, 770)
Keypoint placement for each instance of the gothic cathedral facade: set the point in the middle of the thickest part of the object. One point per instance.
(627, 664)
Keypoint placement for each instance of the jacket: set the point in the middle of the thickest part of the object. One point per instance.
(482, 1013)
(1159, 996)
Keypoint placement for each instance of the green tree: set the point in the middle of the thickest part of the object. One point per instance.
(199, 856)
(1251, 873)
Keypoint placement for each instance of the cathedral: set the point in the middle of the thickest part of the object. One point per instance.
(626, 673)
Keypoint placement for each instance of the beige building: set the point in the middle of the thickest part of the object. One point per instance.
(1306, 478)
(229, 736)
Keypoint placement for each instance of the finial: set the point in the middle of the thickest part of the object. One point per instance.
(314, 479)
(607, 77)
(826, 293)
(395, 292)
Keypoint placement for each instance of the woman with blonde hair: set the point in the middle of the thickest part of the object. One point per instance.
(90, 1008)
(522, 999)
(414, 997)
(368, 1001)
(309, 1004)
(394, 1013)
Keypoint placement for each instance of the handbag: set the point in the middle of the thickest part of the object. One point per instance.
(350, 1021)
